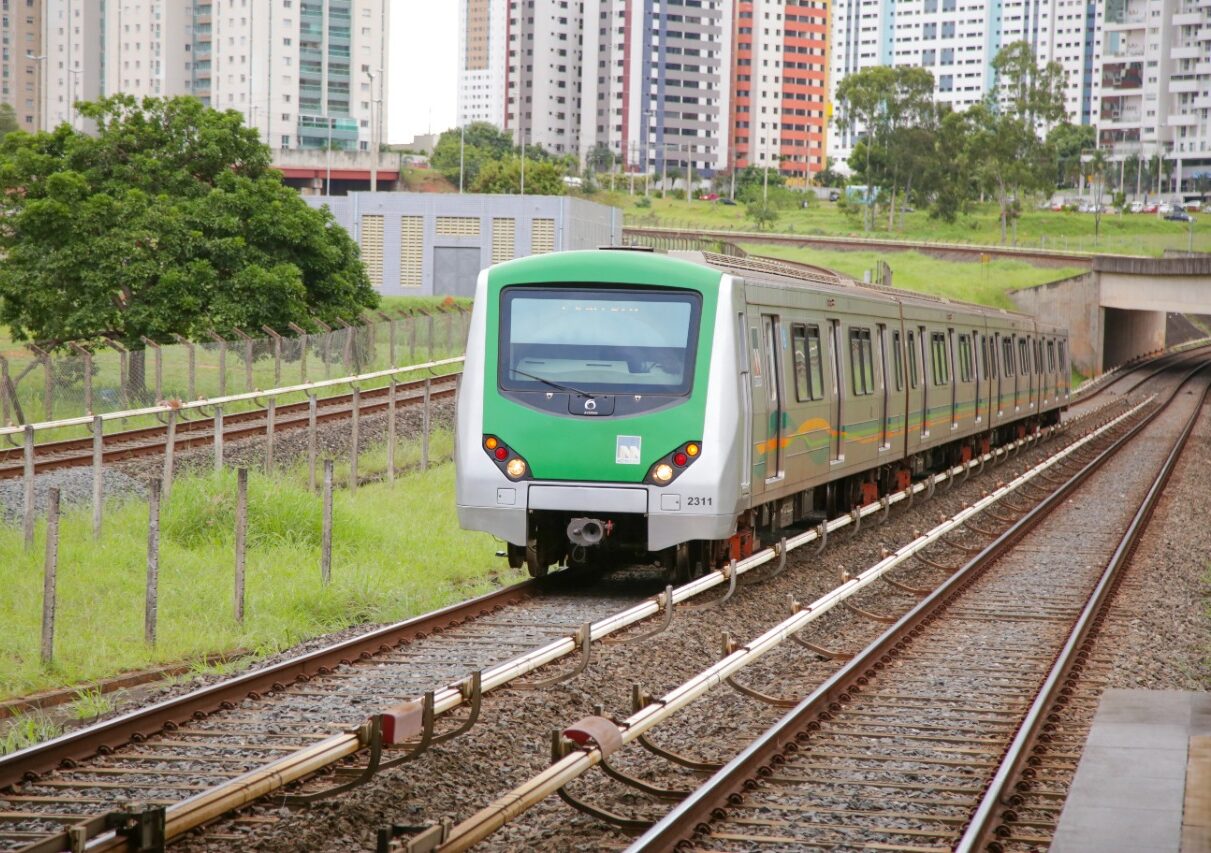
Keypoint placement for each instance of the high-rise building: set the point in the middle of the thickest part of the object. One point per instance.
(1152, 86)
(482, 38)
(24, 63)
(306, 74)
(957, 40)
(780, 85)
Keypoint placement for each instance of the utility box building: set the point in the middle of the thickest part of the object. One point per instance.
(437, 243)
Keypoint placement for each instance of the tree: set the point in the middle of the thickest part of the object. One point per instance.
(599, 159)
(504, 176)
(1096, 170)
(1012, 159)
(763, 215)
(8, 120)
(473, 146)
(1067, 141)
(168, 221)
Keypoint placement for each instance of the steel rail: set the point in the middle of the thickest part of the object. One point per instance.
(200, 432)
(85, 742)
(992, 817)
(492, 817)
(839, 688)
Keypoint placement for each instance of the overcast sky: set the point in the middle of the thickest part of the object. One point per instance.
(423, 51)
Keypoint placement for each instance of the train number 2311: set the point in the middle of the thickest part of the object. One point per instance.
(697, 501)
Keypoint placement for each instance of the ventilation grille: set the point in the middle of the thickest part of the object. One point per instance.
(372, 247)
(504, 238)
(542, 236)
(458, 226)
(411, 250)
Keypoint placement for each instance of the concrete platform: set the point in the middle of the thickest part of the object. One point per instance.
(1144, 780)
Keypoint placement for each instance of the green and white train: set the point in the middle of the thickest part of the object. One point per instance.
(625, 405)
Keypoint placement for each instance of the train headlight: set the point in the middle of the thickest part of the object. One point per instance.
(662, 473)
(669, 467)
(692, 449)
(516, 469)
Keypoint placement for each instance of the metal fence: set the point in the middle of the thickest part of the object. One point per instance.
(39, 386)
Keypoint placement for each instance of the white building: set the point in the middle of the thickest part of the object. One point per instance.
(305, 74)
(957, 40)
(1152, 86)
(482, 47)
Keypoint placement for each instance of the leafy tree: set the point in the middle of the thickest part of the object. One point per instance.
(504, 176)
(754, 182)
(948, 177)
(1096, 169)
(8, 120)
(480, 142)
(828, 176)
(763, 215)
(1013, 160)
(167, 221)
(599, 159)
(1067, 140)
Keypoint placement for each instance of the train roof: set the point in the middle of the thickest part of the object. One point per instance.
(758, 269)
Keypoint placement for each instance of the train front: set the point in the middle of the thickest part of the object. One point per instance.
(598, 416)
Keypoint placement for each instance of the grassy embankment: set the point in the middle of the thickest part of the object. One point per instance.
(1134, 234)
(397, 551)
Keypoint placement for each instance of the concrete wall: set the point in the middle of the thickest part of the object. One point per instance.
(1071, 302)
(1129, 334)
(473, 234)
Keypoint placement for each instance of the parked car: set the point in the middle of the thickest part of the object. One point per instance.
(724, 200)
(1136, 207)
(833, 195)
(1150, 207)
(1163, 208)
(1178, 215)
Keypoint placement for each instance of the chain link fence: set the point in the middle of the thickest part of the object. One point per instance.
(37, 386)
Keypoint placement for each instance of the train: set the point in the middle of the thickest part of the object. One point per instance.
(680, 409)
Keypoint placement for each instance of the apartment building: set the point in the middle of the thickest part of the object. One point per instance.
(957, 40)
(482, 42)
(1152, 87)
(780, 85)
(22, 65)
(305, 73)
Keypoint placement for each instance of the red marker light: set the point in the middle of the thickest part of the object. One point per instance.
(680, 459)
(501, 453)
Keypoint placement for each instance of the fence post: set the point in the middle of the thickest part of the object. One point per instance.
(155, 349)
(191, 357)
(356, 426)
(312, 406)
(222, 362)
(411, 339)
(391, 431)
(270, 424)
(390, 337)
(241, 532)
(170, 446)
(7, 382)
(326, 535)
(430, 326)
(301, 337)
(88, 374)
(449, 333)
(29, 487)
(218, 439)
(247, 339)
(424, 436)
(98, 473)
(151, 604)
(49, 571)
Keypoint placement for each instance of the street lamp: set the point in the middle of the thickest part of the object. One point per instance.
(374, 130)
(29, 54)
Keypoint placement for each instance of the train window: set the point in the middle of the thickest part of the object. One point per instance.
(992, 356)
(913, 373)
(965, 358)
(941, 364)
(1051, 356)
(809, 371)
(861, 362)
(1007, 356)
(1038, 357)
(1023, 357)
(1063, 363)
(897, 361)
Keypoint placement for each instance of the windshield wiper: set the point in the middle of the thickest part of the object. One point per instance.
(566, 388)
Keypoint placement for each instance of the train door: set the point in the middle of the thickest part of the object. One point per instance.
(1026, 345)
(924, 383)
(954, 378)
(746, 400)
(994, 379)
(913, 394)
(834, 346)
(771, 335)
(979, 367)
(884, 435)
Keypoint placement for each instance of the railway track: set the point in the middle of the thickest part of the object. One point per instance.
(942, 735)
(200, 432)
(872, 751)
(203, 754)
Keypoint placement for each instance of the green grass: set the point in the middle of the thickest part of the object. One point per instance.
(397, 552)
(26, 730)
(985, 284)
(1136, 234)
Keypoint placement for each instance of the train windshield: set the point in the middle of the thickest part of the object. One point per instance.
(597, 341)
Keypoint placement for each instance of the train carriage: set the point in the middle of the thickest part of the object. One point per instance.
(623, 405)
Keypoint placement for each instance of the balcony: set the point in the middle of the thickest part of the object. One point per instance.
(1181, 85)
(1185, 51)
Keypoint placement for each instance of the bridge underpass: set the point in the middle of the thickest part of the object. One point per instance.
(1117, 311)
